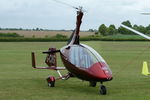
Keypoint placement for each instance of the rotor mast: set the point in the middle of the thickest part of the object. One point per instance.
(75, 35)
(74, 39)
(79, 20)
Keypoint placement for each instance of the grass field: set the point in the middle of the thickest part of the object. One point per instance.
(18, 81)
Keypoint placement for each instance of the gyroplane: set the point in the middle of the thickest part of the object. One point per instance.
(81, 61)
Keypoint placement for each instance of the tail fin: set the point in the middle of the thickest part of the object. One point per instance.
(145, 69)
(33, 60)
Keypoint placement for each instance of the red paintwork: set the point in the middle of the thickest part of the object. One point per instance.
(94, 73)
(100, 70)
(50, 79)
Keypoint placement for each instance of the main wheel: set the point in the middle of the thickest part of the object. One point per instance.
(92, 84)
(51, 81)
(103, 90)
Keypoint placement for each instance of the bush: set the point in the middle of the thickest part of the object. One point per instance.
(60, 36)
(118, 37)
(22, 39)
(10, 35)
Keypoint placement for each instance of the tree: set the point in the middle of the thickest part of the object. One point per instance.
(148, 32)
(20, 29)
(148, 29)
(142, 29)
(37, 29)
(122, 30)
(127, 23)
(91, 30)
(135, 27)
(112, 30)
(102, 30)
(96, 33)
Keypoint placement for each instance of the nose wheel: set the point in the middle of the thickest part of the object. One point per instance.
(103, 90)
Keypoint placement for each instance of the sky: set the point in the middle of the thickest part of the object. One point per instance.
(49, 14)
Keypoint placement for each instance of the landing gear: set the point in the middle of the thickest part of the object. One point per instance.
(92, 84)
(103, 90)
(51, 81)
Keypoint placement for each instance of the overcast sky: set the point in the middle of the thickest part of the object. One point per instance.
(49, 14)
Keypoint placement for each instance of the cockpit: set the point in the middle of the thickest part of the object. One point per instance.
(84, 56)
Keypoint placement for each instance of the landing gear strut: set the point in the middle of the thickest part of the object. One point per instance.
(103, 90)
(92, 84)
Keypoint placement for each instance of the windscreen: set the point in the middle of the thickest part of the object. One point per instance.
(82, 56)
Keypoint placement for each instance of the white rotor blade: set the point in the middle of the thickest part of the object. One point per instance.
(145, 13)
(139, 33)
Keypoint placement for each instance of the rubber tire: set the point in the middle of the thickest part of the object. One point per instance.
(103, 90)
(51, 84)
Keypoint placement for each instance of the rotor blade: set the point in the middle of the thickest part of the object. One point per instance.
(145, 13)
(139, 33)
(58, 1)
(80, 8)
(50, 52)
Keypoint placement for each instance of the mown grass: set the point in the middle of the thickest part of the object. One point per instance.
(18, 81)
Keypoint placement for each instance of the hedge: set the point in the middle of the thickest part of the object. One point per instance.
(22, 39)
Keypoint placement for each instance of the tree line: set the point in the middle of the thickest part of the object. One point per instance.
(112, 30)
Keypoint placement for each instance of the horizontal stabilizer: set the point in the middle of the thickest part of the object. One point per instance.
(145, 70)
(51, 68)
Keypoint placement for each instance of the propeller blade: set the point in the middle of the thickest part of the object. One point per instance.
(139, 33)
